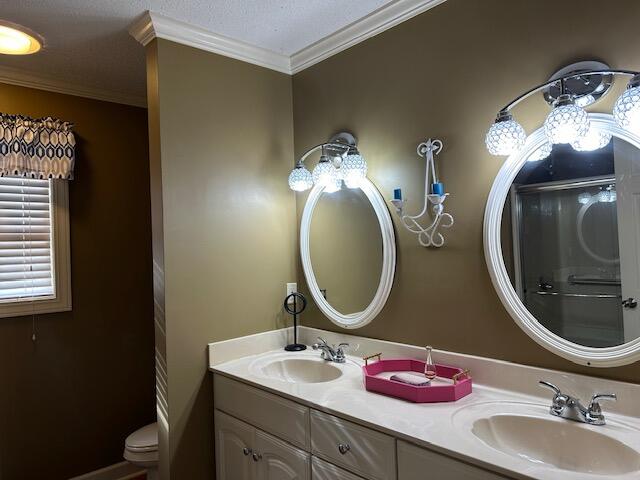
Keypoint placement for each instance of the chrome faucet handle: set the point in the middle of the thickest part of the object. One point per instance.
(560, 400)
(339, 356)
(594, 404)
(321, 343)
(550, 386)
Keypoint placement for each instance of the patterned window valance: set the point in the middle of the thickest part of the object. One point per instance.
(36, 148)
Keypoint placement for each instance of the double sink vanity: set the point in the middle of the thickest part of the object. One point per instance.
(561, 246)
(293, 415)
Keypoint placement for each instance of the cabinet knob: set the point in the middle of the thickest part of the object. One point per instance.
(344, 448)
(247, 451)
(257, 457)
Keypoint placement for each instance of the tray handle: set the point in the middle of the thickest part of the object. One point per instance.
(466, 373)
(369, 357)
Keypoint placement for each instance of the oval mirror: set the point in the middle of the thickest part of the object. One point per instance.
(348, 253)
(562, 244)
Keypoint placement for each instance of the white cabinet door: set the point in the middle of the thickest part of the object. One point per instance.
(233, 448)
(321, 470)
(277, 460)
(415, 463)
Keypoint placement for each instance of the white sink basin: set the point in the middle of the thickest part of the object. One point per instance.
(300, 370)
(527, 431)
(565, 445)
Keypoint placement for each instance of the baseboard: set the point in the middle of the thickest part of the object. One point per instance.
(119, 471)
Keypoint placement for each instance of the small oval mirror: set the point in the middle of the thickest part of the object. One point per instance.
(348, 253)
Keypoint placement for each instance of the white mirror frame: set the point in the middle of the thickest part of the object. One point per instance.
(357, 319)
(595, 357)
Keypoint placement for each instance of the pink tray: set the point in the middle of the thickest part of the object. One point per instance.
(461, 387)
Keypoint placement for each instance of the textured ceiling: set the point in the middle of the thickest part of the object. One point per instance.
(88, 44)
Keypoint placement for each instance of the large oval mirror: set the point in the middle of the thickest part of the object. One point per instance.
(348, 253)
(562, 243)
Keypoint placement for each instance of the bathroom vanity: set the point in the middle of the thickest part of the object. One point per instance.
(281, 415)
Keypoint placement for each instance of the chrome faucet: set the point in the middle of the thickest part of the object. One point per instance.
(330, 353)
(566, 406)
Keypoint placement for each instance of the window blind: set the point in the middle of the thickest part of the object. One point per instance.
(26, 267)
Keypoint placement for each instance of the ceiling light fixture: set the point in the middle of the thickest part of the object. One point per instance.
(569, 90)
(17, 40)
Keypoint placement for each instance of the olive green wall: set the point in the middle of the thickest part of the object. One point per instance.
(445, 74)
(69, 399)
(228, 222)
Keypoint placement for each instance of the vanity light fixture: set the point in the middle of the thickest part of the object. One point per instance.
(570, 90)
(17, 40)
(340, 160)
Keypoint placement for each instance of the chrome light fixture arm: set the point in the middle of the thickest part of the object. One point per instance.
(428, 236)
(562, 79)
(338, 146)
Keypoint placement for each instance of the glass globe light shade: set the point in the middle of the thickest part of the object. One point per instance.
(594, 139)
(626, 110)
(300, 179)
(324, 173)
(541, 153)
(353, 169)
(584, 198)
(505, 136)
(567, 122)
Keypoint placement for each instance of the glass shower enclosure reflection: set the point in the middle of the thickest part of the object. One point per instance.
(566, 258)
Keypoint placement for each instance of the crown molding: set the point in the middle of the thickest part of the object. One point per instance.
(153, 25)
(376, 22)
(22, 78)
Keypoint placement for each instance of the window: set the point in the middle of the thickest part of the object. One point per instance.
(34, 246)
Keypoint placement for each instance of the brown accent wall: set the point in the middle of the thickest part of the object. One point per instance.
(228, 222)
(69, 399)
(445, 74)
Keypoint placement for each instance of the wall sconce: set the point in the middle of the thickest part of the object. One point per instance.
(434, 195)
(340, 161)
(569, 91)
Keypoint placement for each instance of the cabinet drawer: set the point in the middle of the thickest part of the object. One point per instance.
(414, 463)
(276, 415)
(322, 470)
(359, 449)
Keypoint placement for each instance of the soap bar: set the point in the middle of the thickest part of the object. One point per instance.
(411, 379)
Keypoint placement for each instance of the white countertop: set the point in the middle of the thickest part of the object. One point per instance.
(442, 427)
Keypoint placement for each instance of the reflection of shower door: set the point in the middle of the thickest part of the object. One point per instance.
(627, 167)
(566, 265)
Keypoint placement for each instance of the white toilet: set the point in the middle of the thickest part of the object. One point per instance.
(141, 449)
